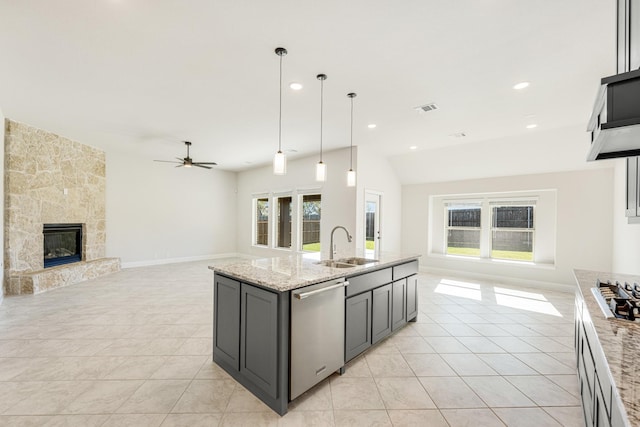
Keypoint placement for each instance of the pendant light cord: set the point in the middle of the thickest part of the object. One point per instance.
(321, 108)
(351, 143)
(280, 111)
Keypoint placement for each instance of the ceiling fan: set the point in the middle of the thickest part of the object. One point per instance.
(187, 162)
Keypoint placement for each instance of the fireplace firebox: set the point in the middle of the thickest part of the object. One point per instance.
(62, 244)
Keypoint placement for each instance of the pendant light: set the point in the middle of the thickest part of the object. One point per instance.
(321, 168)
(351, 174)
(280, 160)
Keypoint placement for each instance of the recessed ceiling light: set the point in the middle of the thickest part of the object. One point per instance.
(372, 126)
(295, 86)
(532, 126)
(413, 147)
(521, 85)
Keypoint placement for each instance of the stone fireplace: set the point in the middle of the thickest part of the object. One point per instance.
(50, 179)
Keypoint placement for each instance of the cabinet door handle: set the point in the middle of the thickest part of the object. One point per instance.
(304, 295)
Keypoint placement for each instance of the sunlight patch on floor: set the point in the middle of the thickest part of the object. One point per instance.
(459, 289)
(528, 301)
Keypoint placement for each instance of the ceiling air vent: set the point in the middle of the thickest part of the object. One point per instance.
(427, 107)
(458, 135)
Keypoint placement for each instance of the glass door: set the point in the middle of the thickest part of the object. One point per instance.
(372, 209)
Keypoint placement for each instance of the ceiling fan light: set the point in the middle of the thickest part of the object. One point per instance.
(351, 178)
(321, 172)
(279, 163)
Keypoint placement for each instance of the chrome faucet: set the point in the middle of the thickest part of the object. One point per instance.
(333, 246)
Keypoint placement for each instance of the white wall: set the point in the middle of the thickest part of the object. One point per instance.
(583, 222)
(338, 200)
(2, 127)
(626, 237)
(535, 152)
(157, 213)
(376, 174)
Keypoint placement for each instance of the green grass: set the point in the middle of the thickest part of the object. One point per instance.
(370, 244)
(511, 255)
(463, 251)
(311, 247)
(515, 255)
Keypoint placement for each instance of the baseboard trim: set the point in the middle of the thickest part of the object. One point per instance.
(163, 261)
(560, 287)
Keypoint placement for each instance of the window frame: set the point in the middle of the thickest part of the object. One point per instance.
(300, 222)
(486, 229)
(275, 210)
(254, 233)
(447, 227)
(513, 203)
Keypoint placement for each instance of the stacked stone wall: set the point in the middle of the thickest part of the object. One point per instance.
(49, 179)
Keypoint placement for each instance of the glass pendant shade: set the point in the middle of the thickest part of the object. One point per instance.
(351, 178)
(321, 172)
(279, 163)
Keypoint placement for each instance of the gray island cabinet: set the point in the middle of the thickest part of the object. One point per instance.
(252, 316)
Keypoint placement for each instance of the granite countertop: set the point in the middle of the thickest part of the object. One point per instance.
(619, 339)
(287, 273)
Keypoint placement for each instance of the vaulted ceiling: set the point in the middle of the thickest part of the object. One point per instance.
(143, 75)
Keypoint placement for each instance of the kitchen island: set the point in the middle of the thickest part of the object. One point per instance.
(606, 356)
(281, 325)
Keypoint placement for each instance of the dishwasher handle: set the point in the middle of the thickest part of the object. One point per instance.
(304, 295)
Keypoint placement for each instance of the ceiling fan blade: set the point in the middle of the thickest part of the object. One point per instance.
(200, 165)
(205, 163)
(181, 159)
(166, 161)
(179, 166)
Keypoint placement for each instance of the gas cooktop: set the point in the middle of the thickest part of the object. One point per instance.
(619, 300)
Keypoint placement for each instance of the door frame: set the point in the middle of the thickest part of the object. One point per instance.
(368, 195)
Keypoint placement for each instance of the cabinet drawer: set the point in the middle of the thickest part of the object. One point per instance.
(405, 270)
(368, 281)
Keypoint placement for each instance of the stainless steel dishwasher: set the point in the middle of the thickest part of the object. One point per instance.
(317, 334)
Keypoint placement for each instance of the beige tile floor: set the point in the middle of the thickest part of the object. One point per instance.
(134, 349)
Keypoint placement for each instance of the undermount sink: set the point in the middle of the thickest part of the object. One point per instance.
(347, 262)
(336, 264)
(357, 261)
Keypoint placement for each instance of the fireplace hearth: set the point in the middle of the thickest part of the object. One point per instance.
(62, 244)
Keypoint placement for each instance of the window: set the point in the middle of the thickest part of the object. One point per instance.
(261, 221)
(283, 221)
(311, 214)
(463, 229)
(512, 230)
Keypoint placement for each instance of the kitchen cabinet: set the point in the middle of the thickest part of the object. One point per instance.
(381, 313)
(599, 402)
(412, 298)
(399, 304)
(226, 341)
(259, 337)
(633, 188)
(251, 338)
(628, 37)
(377, 304)
(260, 323)
(357, 324)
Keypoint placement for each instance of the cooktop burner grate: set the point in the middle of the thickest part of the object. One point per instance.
(621, 299)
